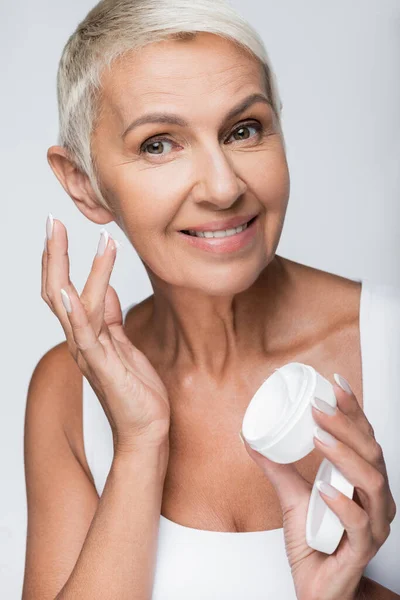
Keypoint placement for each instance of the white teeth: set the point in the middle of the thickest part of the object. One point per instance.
(218, 234)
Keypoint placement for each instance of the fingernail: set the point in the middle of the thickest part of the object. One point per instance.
(241, 437)
(327, 488)
(343, 383)
(45, 243)
(325, 437)
(323, 406)
(117, 244)
(49, 226)
(102, 245)
(66, 300)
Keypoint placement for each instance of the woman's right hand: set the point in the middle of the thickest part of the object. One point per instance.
(129, 389)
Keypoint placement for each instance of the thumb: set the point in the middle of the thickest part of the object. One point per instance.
(289, 485)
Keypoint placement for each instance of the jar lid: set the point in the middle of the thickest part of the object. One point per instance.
(323, 528)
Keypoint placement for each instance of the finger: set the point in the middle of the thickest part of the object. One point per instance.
(355, 521)
(57, 273)
(93, 295)
(348, 431)
(44, 274)
(97, 350)
(370, 483)
(349, 405)
(113, 314)
(128, 353)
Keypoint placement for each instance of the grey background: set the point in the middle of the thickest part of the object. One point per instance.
(337, 65)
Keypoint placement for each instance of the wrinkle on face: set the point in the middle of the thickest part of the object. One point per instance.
(204, 179)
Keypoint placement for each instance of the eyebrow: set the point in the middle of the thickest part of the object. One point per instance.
(172, 119)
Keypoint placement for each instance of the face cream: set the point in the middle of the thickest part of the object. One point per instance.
(278, 423)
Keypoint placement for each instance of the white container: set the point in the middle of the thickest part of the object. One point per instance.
(278, 423)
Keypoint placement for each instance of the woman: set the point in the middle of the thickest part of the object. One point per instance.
(169, 135)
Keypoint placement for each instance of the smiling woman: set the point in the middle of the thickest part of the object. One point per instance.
(114, 30)
(170, 126)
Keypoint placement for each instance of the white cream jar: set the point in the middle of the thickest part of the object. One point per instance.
(278, 423)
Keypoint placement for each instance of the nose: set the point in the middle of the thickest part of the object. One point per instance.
(216, 180)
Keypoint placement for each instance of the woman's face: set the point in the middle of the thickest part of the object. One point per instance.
(162, 177)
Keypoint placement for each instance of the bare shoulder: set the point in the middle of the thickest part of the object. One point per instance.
(58, 371)
(61, 496)
(332, 304)
(334, 294)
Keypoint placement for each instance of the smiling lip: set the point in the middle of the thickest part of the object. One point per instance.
(226, 246)
(221, 225)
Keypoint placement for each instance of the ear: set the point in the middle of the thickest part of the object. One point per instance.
(77, 185)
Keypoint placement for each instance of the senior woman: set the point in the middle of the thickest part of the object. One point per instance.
(138, 485)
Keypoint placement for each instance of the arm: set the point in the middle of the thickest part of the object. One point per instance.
(371, 590)
(80, 546)
(118, 556)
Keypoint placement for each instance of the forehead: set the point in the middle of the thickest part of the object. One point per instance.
(179, 73)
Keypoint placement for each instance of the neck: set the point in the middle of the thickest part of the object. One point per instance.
(213, 335)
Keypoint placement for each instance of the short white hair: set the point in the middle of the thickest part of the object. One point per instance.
(114, 27)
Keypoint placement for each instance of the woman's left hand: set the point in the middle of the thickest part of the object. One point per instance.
(356, 453)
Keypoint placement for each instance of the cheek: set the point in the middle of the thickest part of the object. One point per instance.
(149, 200)
(145, 197)
(269, 181)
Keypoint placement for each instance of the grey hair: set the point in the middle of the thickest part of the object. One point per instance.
(114, 27)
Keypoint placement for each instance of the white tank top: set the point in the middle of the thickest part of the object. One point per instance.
(206, 565)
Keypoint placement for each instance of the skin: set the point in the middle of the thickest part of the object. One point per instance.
(197, 179)
(244, 301)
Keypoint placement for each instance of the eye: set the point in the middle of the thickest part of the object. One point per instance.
(241, 131)
(155, 144)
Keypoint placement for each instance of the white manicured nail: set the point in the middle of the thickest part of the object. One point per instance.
(327, 488)
(49, 226)
(104, 235)
(323, 406)
(118, 244)
(66, 300)
(343, 383)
